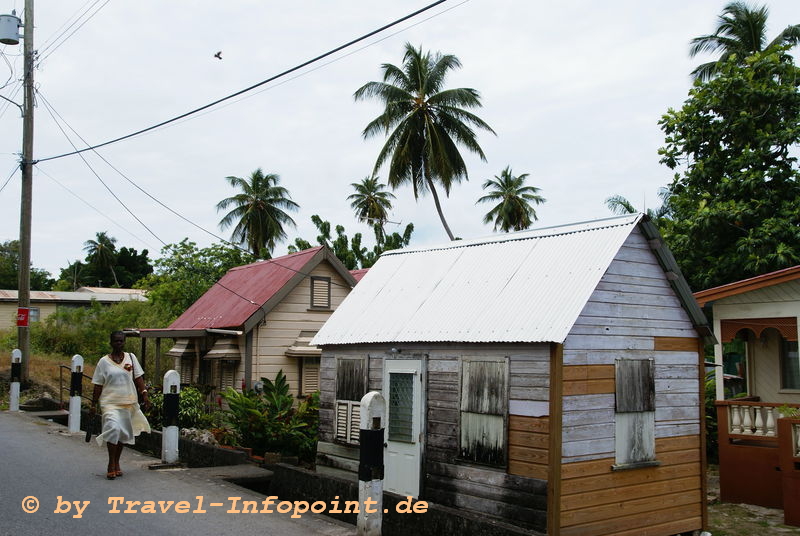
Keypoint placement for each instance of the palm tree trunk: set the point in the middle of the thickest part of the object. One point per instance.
(114, 274)
(439, 208)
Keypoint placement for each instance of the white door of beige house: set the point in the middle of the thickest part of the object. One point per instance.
(402, 389)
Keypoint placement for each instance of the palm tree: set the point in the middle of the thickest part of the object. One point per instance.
(259, 214)
(371, 202)
(741, 31)
(513, 211)
(619, 204)
(424, 124)
(103, 252)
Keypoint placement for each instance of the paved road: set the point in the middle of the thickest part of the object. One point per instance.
(43, 460)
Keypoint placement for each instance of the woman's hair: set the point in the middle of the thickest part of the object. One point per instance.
(118, 332)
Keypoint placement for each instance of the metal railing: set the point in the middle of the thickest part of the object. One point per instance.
(62, 388)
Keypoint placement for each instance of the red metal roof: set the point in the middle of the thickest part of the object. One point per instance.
(358, 274)
(747, 285)
(242, 291)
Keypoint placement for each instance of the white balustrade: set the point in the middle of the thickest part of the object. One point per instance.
(759, 421)
(747, 420)
(771, 421)
(736, 419)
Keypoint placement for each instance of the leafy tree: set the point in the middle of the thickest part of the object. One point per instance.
(259, 212)
(741, 31)
(184, 272)
(9, 269)
(424, 123)
(735, 204)
(132, 266)
(513, 211)
(371, 202)
(349, 250)
(103, 253)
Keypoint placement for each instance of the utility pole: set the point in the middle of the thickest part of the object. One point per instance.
(25, 217)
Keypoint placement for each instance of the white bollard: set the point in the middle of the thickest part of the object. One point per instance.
(370, 468)
(169, 431)
(16, 372)
(75, 392)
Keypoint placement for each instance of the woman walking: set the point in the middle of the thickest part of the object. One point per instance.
(118, 381)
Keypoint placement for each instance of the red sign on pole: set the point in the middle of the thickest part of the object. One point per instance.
(23, 314)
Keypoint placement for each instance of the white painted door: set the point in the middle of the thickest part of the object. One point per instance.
(402, 389)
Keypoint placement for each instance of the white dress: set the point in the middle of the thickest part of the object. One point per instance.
(122, 418)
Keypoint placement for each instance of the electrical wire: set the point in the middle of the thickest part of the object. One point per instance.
(13, 171)
(52, 111)
(42, 58)
(304, 73)
(82, 200)
(250, 88)
(107, 187)
(46, 44)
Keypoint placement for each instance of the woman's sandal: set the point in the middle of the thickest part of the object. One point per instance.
(119, 474)
(111, 475)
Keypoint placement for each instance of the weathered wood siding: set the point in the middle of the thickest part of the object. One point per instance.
(284, 323)
(516, 493)
(633, 314)
(661, 500)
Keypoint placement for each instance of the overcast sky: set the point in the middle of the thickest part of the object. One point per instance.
(573, 89)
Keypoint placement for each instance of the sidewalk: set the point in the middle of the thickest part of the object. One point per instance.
(42, 459)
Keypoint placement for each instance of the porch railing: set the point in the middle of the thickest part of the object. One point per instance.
(754, 419)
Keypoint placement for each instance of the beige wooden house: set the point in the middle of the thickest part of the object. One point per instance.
(45, 302)
(551, 379)
(256, 320)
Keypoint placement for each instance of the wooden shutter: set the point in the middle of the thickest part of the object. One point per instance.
(348, 414)
(484, 399)
(310, 375)
(321, 292)
(187, 370)
(227, 373)
(636, 385)
(634, 436)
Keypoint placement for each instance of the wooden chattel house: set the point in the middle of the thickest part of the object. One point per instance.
(758, 380)
(258, 319)
(550, 379)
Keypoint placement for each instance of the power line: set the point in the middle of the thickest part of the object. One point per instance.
(41, 59)
(250, 88)
(82, 200)
(13, 171)
(318, 67)
(123, 175)
(47, 107)
(55, 37)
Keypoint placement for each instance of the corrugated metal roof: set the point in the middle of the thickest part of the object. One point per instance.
(520, 287)
(77, 297)
(242, 291)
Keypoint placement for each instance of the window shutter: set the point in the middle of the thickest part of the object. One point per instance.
(348, 414)
(636, 385)
(226, 375)
(321, 292)
(310, 375)
(484, 387)
(187, 370)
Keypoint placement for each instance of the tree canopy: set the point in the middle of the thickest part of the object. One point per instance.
(9, 269)
(184, 272)
(513, 199)
(735, 201)
(260, 212)
(424, 123)
(741, 31)
(349, 250)
(105, 265)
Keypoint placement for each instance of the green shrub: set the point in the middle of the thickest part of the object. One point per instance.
(268, 422)
(191, 408)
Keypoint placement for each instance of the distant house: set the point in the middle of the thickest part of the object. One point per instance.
(549, 378)
(45, 303)
(758, 363)
(256, 320)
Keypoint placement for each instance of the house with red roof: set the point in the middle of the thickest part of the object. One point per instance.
(256, 320)
(757, 384)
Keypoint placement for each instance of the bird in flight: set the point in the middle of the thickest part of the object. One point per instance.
(218, 55)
